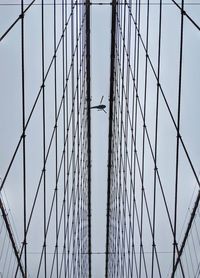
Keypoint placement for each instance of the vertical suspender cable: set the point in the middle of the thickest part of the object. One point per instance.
(122, 143)
(156, 139)
(78, 142)
(112, 65)
(44, 141)
(133, 148)
(127, 147)
(178, 137)
(56, 136)
(88, 128)
(23, 133)
(73, 141)
(64, 258)
(137, 66)
(67, 143)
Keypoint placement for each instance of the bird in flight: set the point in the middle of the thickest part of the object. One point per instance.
(100, 107)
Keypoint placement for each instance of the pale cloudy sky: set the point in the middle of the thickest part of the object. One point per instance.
(10, 124)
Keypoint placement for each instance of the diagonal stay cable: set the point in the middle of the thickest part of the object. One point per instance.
(14, 246)
(152, 153)
(68, 212)
(47, 154)
(17, 19)
(24, 155)
(150, 145)
(186, 234)
(34, 105)
(166, 102)
(40, 179)
(186, 14)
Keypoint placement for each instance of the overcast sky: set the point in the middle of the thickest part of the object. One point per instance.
(100, 51)
(10, 115)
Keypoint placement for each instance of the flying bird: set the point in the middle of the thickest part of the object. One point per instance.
(100, 107)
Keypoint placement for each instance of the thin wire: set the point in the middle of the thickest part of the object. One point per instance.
(156, 139)
(9, 264)
(150, 145)
(78, 16)
(100, 4)
(191, 261)
(35, 104)
(194, 247)
(127, 114)
(75, 170)
(8, 209)
(16, 21)
(126, 135)
(121, 186)
(157, 171)
(73, 157)
(9, 233)
(67, 150)
(179, 6)
(23, 136)
(56, 136)
(139, 167)
(178, 136)
(51, 142)
(49, 147)
(44, 137)
(2, 249)
(133, 149)
(166, 102)
(137, 65)
(5, 260)
(123, 165)
(88, 129)
(64, 64)
(135, 119)
(112, 64)
(187, 232)
(54, 198)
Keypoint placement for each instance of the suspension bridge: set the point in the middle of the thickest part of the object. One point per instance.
(151, 211)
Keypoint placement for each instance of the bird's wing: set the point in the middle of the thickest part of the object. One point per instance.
(101, 100)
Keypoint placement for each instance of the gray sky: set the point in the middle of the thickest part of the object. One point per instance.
(10, 115)
(100, 51)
